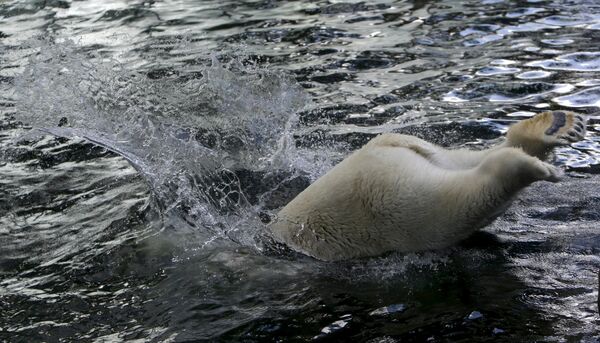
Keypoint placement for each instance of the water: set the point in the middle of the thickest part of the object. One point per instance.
(165, 133)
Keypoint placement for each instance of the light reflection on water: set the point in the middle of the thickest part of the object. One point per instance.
(227, 110)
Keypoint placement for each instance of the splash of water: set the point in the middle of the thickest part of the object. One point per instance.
(188, 135)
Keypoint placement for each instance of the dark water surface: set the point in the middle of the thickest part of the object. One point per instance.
(168, 131)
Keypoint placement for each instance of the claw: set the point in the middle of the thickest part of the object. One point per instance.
(572, 136)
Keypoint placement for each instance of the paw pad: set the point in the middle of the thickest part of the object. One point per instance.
(560, 119)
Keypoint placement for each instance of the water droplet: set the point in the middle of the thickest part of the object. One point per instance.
(475, 315)
(497, 331)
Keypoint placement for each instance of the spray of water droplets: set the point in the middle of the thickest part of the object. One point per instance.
(188, 134)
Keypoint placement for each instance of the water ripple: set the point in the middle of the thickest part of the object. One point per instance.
(488, 71)
(531, 75)
(523, 12)
(568, 21)
(506, 92)
(584, 98)
(580, 61)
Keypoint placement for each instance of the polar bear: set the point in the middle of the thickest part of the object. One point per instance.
(401, 193)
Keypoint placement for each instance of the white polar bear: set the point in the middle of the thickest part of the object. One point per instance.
(401, 193)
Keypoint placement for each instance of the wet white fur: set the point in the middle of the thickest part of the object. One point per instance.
(402, 193)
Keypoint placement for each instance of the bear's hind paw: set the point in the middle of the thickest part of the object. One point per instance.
(562, 127)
